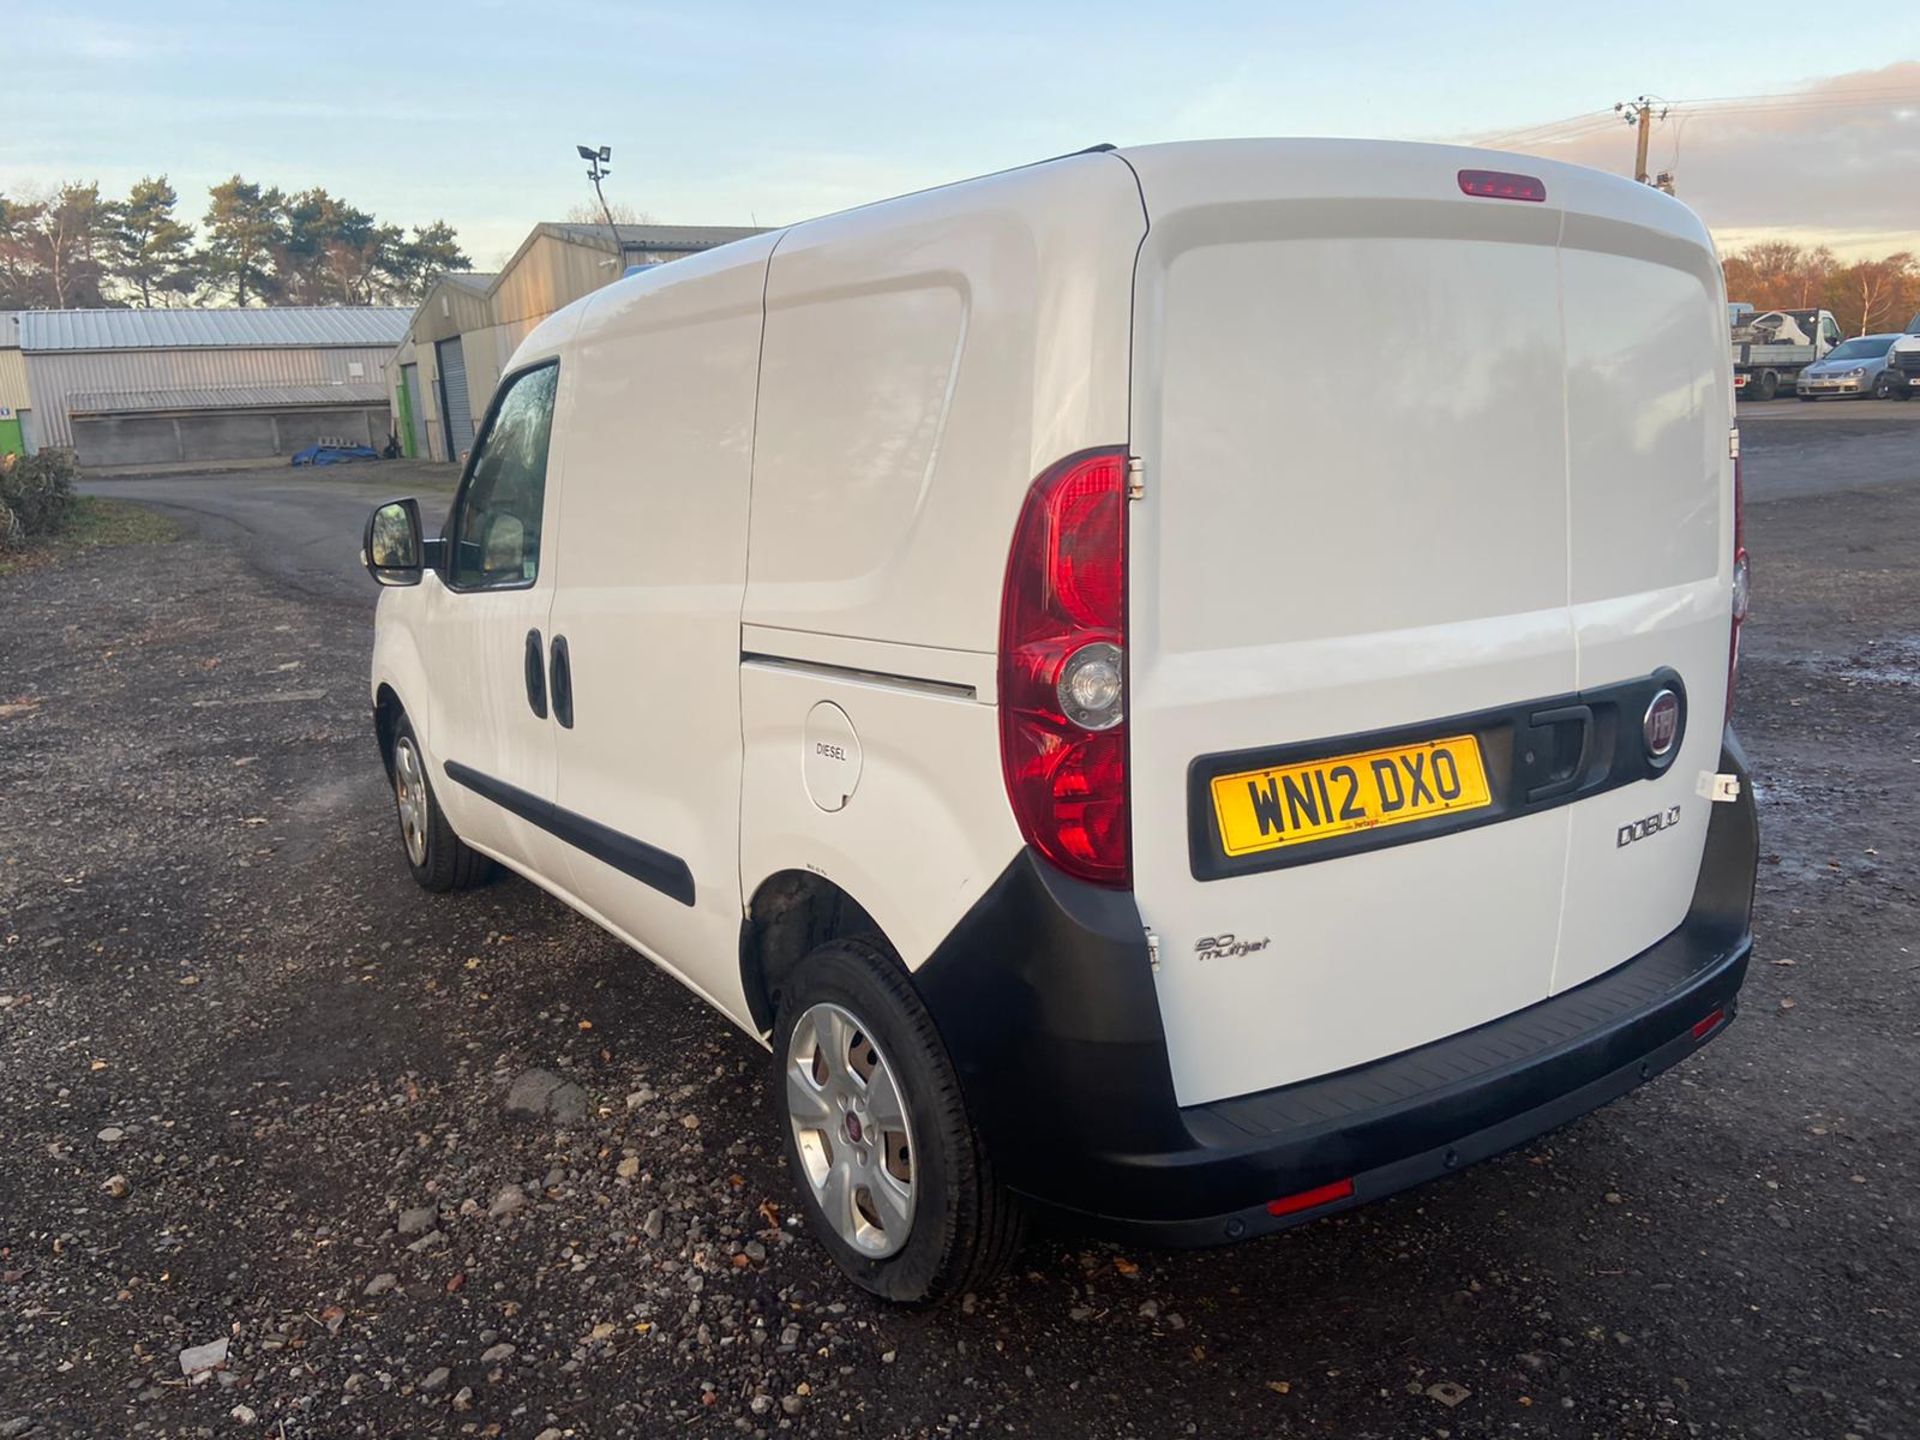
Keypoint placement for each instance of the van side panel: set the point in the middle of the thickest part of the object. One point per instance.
(652, 558)
(924, 359)
(927, 829)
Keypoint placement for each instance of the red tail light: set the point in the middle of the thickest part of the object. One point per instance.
(1063, 636)
(1742, 578)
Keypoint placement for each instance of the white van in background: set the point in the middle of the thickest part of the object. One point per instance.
(1112, 768)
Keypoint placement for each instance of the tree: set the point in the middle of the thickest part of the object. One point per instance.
(54, 250)
(153, 252)
(412, 265)
(245, 224)
(1872, 295)
(587, 212)
(329, 252)
(18, 273)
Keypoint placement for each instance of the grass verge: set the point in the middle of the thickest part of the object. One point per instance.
(95, 523)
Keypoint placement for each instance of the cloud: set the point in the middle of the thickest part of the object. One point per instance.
(1836, 162)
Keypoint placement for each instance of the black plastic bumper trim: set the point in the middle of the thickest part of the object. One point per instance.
(646, 863)
(1045, 989)
(1429, 1164)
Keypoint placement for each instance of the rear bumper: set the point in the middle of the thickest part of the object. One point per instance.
(1044, 996)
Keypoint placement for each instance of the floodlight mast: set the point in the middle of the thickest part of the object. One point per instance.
(597, 170)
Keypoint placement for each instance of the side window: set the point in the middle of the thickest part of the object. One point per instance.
(1832, 327)
(496, 516)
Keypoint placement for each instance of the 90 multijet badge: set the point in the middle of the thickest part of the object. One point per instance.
(1225, 947)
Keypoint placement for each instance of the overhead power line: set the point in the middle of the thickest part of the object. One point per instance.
(1641, 113)
(1592, 122)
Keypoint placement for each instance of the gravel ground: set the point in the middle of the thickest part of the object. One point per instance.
(398, 1165)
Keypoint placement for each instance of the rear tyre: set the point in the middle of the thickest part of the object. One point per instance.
(1766, 385)
(440, 860)
(890, 1173)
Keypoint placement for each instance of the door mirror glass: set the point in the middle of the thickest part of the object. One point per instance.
(392, 551)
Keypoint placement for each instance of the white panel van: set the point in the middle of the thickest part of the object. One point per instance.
(1113, 767)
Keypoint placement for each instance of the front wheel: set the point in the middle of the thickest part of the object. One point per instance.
(440, 860)
(890, 1173)
(1883, 386)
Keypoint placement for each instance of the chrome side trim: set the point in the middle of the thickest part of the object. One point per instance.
(941, 689)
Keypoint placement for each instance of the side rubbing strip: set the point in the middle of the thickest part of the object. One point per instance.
(646, 863)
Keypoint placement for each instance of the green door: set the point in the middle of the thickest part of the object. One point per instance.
(403, 397)
(11, 442)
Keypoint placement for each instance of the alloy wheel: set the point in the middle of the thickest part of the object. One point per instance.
(410, 795)
(851, 1130)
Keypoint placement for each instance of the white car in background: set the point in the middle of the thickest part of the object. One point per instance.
(1904, 362)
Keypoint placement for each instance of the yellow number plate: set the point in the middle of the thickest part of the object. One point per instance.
(1318, 799)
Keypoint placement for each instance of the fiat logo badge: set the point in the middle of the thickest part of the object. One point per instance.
(1661, 726)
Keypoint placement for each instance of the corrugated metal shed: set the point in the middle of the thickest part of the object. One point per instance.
(53, 375)
(14, 395)
(237, 397)
(654, 237)
(278, 327)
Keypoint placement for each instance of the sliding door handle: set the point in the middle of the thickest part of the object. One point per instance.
(536, 672)
(562, 682)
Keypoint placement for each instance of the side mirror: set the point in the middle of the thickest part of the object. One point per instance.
(392, 550)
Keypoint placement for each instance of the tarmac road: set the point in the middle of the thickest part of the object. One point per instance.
(298, 528)
(1814, 447)
(219, 989)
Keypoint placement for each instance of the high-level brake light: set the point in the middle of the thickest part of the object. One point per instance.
(1502, 185)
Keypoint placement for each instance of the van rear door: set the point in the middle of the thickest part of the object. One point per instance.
(1358, 603)
(1650, 543)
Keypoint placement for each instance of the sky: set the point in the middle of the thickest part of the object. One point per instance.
(729, 113)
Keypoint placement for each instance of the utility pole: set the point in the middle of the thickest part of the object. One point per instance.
(1640, 113)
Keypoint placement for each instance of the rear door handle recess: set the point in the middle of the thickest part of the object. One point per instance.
(536, 670)
(562, 683)
(1565, 735)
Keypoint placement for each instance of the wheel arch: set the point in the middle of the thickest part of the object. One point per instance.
(387, 711)
(793, 912)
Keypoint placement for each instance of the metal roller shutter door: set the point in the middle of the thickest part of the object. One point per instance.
(452, 361)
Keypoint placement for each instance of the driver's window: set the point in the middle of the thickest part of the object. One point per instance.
(496, 531)
(1832, 327)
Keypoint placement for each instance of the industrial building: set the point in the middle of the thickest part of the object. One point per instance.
(129, 388)
(444, 372)
(14, 405)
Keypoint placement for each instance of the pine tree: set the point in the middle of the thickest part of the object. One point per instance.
(154, 251)
(411, 266)
(245, 224)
